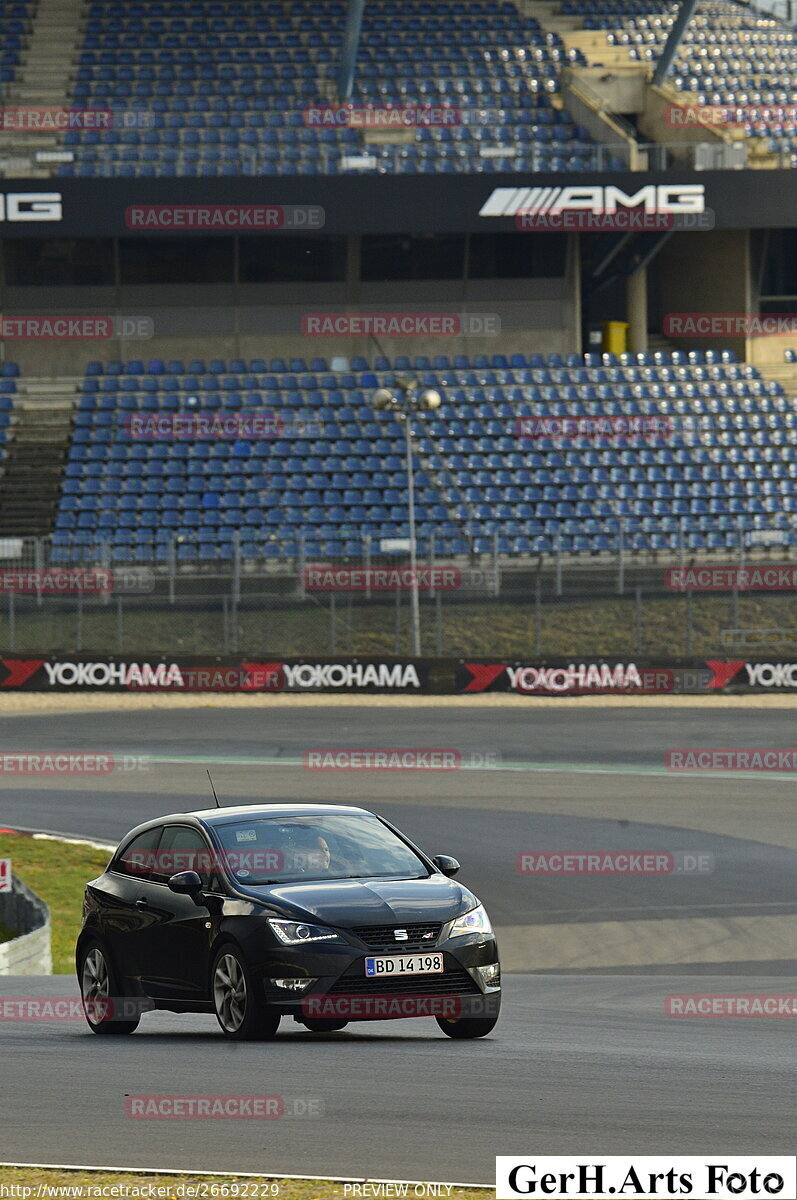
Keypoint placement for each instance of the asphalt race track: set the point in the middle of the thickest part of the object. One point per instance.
(584, 1059)
(576, 1065)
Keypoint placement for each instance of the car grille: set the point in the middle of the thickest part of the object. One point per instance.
(381, 937)
(455, 982)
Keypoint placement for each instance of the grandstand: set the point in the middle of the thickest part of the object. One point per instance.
(338, 476)
(222, 91)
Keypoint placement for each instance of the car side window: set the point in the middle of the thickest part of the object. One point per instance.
(139, 857)
(185, 849)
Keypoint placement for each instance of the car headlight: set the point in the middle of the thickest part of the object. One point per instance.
(475, 921)
(296, 933)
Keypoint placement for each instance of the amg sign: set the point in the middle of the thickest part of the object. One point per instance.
(31, 206)
(595, 198)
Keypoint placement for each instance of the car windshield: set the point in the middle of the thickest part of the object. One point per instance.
(259, 850)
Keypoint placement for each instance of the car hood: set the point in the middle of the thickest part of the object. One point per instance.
(347, 902)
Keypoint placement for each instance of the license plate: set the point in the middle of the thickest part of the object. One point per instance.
(404, 964)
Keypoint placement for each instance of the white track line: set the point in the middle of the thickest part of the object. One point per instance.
(241, 1174)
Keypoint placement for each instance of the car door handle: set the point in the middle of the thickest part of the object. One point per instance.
(142, 903)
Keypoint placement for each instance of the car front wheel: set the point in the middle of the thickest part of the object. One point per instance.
(467, 1027)
(324, 1024)
(240, 1014)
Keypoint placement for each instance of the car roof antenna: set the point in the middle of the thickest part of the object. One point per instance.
(215, 797)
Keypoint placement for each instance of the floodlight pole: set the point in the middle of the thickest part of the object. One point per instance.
(414, 603)
(404, 402)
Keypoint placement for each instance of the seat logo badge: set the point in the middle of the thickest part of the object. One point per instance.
(400, 935)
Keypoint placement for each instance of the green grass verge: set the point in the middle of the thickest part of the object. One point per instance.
(175, 1187)
(58, 873)
(586, 627)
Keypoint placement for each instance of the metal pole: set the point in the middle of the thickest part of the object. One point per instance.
(496, 579)
(620, 558)
(689, 626)
(11, 621)
(38, 559)
(398, 621)
(438, 606)
(351, 42)
(368, 566)
(119, 624)
(302, 560)
(538, 615)
(681, 543)
(236, 576)
(682, 19)
(416, 613)
(558, 548)
(225, 625)
(172, 567)
(332, 631)
(79, 632)
(432, 592)
(638, 619)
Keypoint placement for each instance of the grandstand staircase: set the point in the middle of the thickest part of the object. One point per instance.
(43, 79)
(33, 469)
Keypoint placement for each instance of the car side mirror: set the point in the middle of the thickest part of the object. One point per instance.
(186, 883)
(449, 866)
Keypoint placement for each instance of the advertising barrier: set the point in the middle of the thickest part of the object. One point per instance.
(401, 676)
(373, 203)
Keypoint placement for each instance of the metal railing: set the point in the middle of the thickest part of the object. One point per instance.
(652, 156)
(619, 601)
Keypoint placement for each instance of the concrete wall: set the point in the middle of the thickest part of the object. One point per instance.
(265, 321)
(768, 350)
(24, 913)
(621, 89)
(654, 126)
(715, 281)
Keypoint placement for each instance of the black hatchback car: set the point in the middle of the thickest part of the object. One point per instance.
(321, 912)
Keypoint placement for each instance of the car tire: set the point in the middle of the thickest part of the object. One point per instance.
(239, 1012)
(324, 1024)
(467, 1027)
(98, 983)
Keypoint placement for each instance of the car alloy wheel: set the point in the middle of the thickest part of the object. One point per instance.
(239, 1012)
(229, 993)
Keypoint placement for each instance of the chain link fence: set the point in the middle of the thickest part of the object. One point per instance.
(618, 603)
